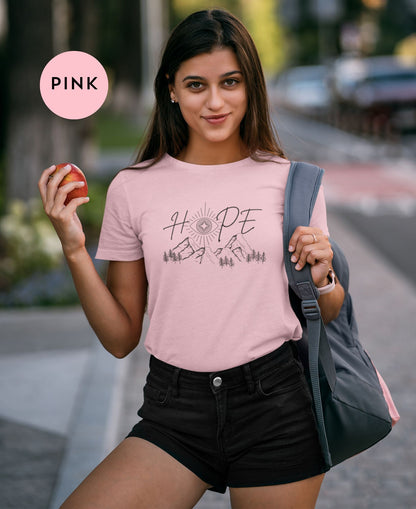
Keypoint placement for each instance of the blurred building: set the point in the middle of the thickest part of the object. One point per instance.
(323, 10)
(154, 27)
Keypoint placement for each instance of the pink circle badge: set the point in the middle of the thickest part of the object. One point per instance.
(74, 85)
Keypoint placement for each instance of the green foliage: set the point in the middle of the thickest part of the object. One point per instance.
(32, 266)
(28, 242)
(91, 214)
(260, 17)
(261, 20)
(2, 184)
(394, 23)
(182, 8)
(115, 131)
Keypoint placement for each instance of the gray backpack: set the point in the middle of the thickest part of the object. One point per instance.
(350, 409)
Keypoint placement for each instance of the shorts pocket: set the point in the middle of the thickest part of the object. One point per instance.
(281, 380)
(154, 395)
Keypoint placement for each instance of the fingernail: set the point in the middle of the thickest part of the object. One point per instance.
(291, 249)
(67, 167)
(293, 259)
(297, 266)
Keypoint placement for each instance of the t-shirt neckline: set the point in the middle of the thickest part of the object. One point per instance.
(184, 164)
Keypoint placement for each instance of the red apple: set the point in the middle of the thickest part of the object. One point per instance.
(75, 175)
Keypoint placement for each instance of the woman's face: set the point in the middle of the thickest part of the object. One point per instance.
(211, 93)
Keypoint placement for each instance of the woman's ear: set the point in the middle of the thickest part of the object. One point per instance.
(171, 89)
(172, 93)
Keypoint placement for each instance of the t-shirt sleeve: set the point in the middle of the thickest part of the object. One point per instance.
(118, 240)
(319, 217)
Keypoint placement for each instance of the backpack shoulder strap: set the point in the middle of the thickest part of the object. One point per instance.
(302, 189)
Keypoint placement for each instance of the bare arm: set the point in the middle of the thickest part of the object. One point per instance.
(115, 311)
(310, 245)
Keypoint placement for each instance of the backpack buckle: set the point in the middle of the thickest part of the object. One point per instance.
(311, 309)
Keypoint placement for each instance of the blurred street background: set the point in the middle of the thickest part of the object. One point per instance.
(342, 84)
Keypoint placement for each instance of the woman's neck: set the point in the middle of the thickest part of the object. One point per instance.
(213, 153)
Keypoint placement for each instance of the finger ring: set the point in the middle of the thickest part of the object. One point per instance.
(315, 239)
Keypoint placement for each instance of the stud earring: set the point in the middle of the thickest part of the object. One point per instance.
(172, 101)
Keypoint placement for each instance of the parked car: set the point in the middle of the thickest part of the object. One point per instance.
(374, 95)
(303, 89)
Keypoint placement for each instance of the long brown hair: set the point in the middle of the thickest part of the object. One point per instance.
(202, 32)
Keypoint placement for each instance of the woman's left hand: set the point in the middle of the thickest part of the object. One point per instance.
(311, 245)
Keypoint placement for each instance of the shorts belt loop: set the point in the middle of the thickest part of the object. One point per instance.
(249, 378)
(174, 381)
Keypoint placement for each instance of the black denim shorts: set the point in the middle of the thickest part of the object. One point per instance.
(252, 425)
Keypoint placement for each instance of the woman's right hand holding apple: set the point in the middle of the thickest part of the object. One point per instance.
(114, 308)
(63, 217)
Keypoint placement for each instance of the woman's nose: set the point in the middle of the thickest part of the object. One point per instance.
(215, 100)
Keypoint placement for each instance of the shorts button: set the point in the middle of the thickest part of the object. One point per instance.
(217, 381)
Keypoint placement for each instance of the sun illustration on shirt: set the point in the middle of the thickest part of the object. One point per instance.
(203, 226)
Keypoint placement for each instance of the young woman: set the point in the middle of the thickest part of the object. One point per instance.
(194, 231)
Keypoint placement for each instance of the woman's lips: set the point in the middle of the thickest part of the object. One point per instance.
(216, 119)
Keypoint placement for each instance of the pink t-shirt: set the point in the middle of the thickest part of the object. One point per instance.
(211, 237)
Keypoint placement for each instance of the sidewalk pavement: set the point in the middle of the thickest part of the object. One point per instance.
(65, 402)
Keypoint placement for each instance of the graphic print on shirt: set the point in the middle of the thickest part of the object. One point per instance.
(210, 237)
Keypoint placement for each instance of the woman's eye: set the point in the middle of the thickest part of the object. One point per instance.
(195, 85)
(230, 82)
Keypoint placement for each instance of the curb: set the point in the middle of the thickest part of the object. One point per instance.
(95, 421)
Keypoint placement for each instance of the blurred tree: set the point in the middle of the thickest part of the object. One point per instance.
(396, 21)
(132, 33)
(82, 20)
(314, 27)
(120, 50)
(129, 68)
(83, 25)
(30, 127)
(380, 24)
(260, 17)
(3, 98)
(182, 8)
(266, 30)
(36, 138)
(155, 22)
(407, 47)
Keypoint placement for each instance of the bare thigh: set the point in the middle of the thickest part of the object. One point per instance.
(296, 495)
(139, 475)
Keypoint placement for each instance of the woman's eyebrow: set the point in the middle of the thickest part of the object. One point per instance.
(230, 74)
(225, 75)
